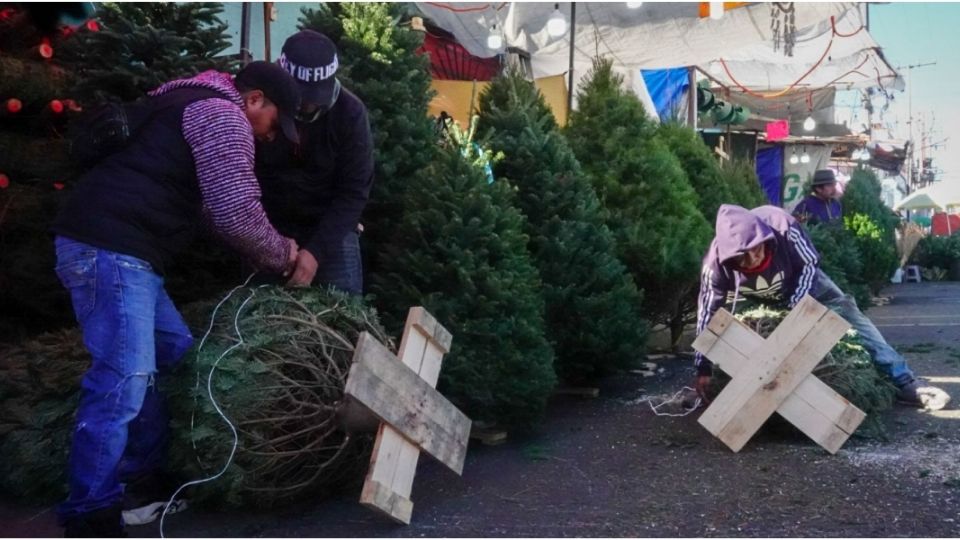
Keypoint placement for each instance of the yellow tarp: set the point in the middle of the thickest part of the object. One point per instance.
(455, 97)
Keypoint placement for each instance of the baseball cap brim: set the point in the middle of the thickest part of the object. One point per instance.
(289, 127)
(318, 93)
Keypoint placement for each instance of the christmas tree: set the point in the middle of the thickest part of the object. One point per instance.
(378, 62)
(840, 259)
(461, 253)
(50, 76)
(140, 46)
(873, 226)
(35, 103)
(661, 234)
(592, 305)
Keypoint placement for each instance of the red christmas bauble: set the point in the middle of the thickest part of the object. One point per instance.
(46, 50)
(93, 26)
(7, 14)
(14, 105)
(4, 181)
(56, 106)
(58, 186)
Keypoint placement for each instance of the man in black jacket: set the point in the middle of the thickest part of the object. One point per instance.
(316, 191)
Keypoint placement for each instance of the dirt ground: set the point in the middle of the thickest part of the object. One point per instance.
(610, 467)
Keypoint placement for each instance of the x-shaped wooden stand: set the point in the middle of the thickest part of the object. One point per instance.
(774, 374)
(414, 415)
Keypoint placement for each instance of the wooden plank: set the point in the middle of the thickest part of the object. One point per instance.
(417, 316)
(399, 397)
(432, 357)
(386, 459)
(378, 497)
(489, 437)
(794, 328)
(783, 378)
(813, 424)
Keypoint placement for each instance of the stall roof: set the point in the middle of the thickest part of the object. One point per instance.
(661, 35)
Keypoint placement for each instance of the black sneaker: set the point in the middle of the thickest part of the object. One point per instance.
(103, 523)
(920, 395)
(145, 499)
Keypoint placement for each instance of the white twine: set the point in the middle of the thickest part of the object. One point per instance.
(656, 408)
(233, 429)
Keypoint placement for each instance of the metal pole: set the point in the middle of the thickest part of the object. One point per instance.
(692, 97)
(573, 34)
(245, 33)
(267, 14)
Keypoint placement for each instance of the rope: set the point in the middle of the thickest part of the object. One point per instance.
(233, 429)
(656, 408)
(833, 33)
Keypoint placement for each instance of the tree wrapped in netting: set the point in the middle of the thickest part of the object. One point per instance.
(840, 259)
(280, 383)
(847, 368)
(873, 226)
(461, 253)
(379, 63)
(593, 312)
(652, 209)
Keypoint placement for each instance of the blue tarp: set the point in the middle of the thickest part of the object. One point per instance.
(770, 173)
(667, 89)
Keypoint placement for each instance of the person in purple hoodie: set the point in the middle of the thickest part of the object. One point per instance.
(767, 255)
(120, 230)
(822, 205)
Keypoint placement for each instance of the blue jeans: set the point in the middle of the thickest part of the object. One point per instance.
(884, 356)
(132, 329)
(340, 264)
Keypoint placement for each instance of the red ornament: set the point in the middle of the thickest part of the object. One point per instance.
(65, 31)
(46, 50)
(58, 186)
(7, 14)
(4, 181)
(56, 106)
(14, 105)
(93, 26)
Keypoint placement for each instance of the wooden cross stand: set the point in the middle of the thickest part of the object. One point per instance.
(774, 375)
(414, 415)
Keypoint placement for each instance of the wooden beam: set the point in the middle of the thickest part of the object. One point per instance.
(399, 397)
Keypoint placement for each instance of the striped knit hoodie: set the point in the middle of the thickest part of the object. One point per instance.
(788, 277)
(221, 140)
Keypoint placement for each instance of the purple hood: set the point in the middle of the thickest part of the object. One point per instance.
(212, 80)
(738, 230)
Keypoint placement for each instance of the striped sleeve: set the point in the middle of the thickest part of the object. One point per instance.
(221, 140)
(711, 297)
(806, 258)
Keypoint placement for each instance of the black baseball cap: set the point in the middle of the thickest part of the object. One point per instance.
(279, 87)
(311, 58)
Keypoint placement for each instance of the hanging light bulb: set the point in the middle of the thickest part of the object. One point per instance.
(716, 10)
(855, 155)
(809, 124)
(805, 158)
(557, 24)
(494, 40)
(794, 159)
(864, 155)
(634, 5)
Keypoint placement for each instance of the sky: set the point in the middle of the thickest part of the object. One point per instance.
(917, 33)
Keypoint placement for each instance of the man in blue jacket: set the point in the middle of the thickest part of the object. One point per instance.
(766, 254)
(315, 191)
(820, 206)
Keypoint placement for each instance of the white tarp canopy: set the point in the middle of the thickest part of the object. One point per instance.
(663, 35)
(939, 196)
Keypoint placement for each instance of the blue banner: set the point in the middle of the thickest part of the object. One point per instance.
(770, 173)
